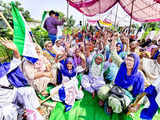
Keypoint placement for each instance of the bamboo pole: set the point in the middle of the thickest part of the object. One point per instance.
(55, 91)
(67, 9)
(5, 20)
(136, 102)
(115, 21)
(99, 9)
(67, 19)
(131, 17)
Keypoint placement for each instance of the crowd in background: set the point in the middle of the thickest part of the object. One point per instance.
(114, 66)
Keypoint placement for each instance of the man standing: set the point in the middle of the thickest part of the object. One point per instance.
(51, 24)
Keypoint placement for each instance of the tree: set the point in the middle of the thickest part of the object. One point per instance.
(40, 35)
(70, 22)
(6, 9)
(149, 27)
(153, 25)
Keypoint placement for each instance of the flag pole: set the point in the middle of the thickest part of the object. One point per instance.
(131, 17)
(5, 20)
(115, 21)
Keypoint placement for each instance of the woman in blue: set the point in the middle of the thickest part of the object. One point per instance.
(120, 51)
(67, 77)
(129, 77)
(129, 80)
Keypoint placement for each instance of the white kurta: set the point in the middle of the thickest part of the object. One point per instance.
(9, 97)
(151, 68)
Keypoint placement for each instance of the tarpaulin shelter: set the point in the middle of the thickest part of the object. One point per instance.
(139, 10)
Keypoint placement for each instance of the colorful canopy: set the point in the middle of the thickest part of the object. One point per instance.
(143, 10)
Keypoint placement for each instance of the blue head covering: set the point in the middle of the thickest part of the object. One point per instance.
(135, 80)
(64, 70)
(121, 46)
(156, 55)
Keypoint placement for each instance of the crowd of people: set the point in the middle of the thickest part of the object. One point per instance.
(114, 66)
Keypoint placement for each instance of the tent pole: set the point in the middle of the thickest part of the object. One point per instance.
(131, 17)
(67, 9)
(99, 9)
(115, 21)
(83, 20)
(67, 18)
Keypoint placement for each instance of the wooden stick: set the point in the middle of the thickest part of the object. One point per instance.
(56, 89)
(5, 20)
(136, 102)
(49, 97)
(55, 92)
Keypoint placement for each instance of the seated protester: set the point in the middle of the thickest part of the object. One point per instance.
(69, 49)
(15, 93)
(133, 46)
(59, 50)
(120, 51)
(109, 77)
(48, 52)
(39, 74)
(94, 80)
(151, 68)
(51, 56)
(129, 82)
(69, 90)
(79, 58)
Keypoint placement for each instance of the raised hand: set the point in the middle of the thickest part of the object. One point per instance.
(113, 44)
(8, 44)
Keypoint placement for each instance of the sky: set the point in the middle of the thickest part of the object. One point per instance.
(36, 8)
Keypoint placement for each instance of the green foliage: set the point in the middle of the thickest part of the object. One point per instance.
(153, 25)
(40, 35)
(70, 22)
(149, 27)
(6, 33)
(5, 54)
(61, 15)
(5, 8)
